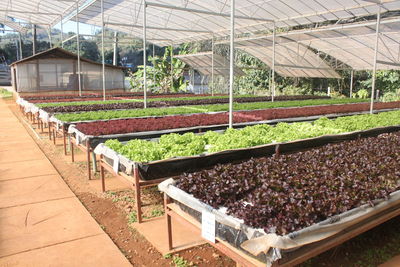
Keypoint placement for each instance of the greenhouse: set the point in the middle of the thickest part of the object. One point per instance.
(286, 154)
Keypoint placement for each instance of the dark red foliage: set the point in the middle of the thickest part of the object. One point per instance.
(287, 193)
(122, 126)
(89, 97)
(154, 104)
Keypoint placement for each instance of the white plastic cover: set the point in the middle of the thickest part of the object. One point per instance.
(202, 62)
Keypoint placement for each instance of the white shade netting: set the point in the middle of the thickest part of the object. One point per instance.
(203, 63)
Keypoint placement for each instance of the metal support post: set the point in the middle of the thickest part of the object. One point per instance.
(34, 40)
(212, 66)
(20, 45)
(78, 48)
(378, 22)
(172, 67)
(62, 31)
(273, 65)
(232, 58)
(50, 39)
(154, 73)
(115, 55)
(351, 83)
(144, 56)
(102, 51)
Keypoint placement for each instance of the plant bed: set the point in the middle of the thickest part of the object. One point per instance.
(99, 95)
(164, 102)
(122, 126)
(131, 113)
(287, 204)
(173, 154)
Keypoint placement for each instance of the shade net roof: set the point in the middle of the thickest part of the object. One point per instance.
(202, 62)
(13, 25)
(183, 20)
(352, 44)
(40, 12)
(177, 21)
(291, 59)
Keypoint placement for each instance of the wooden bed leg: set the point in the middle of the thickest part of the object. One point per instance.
(137, 195)
(88, 159)
(72, 152)
(64, 140)
(168, 221)
(103, 182)
(50, 130)
(54, 136)
(94, 162)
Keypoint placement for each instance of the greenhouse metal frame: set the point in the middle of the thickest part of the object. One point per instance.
(175, 21)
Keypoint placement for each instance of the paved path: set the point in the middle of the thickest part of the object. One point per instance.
(42, 223)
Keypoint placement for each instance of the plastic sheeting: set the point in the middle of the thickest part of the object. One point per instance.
(291, 59)
(175, 21)
(352, 44)
(271, 247)
(202, 62)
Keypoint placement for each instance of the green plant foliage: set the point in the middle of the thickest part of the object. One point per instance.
(189, 144)
(159, 74)
(391, 96)
(386, 81)
(363, 94)
(132, 113)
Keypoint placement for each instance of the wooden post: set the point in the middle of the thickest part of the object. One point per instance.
(64, 140)
(168, 221)
(54, 136)
(50, 130)
(103, 183)
(72, 151)
(88, 158)
(136, 176)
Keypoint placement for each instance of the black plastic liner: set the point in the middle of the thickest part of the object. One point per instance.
(176, 166)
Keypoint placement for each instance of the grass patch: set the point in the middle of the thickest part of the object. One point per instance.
(132, 217)
(5, 94)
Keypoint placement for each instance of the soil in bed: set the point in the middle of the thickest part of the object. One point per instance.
(113, 212)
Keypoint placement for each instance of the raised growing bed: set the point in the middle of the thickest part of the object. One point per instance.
(131, 113)
(100, 96)
(131, 163)
(286, 207)
(86, 136)
(122, 126)
(168, 103)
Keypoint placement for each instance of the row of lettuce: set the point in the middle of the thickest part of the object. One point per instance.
(189, 144)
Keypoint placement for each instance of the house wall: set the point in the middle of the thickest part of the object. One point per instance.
(41, 75)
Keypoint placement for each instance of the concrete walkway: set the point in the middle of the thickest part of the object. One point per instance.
(42, 223)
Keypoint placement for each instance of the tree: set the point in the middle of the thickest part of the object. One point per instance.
(159, 74)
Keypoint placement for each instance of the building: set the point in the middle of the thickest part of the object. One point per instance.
(56, 71)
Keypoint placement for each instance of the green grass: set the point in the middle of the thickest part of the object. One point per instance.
(132, 217)
(132, 113)
(5, 94)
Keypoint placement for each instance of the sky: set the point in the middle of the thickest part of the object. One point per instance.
(70, 26)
